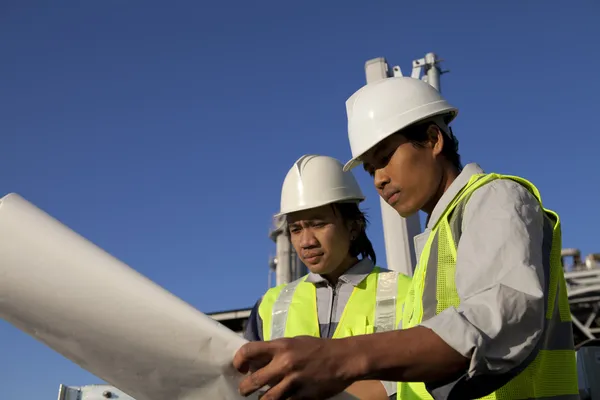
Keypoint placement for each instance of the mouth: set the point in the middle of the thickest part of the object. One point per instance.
(391, 197)
(312, 258)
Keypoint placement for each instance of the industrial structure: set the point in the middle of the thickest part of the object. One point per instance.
(91, 392)
(235, 320)
(583, 287)
(286, 264)
(582, 275)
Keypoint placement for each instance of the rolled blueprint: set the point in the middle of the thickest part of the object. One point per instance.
(104, 316)
(101, 314)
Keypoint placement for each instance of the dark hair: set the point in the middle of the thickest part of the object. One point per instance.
(361, 245)
(421, 133)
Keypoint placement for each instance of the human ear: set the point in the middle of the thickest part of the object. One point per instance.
(437, 139)
(353, 230)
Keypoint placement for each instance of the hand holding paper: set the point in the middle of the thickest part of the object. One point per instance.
(302, 367)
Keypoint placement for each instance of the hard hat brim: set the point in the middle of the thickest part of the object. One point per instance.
(353, 163)
(452, 112)
(356, 200)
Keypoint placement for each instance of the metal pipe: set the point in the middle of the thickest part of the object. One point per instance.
(432, 70)
(398, 232)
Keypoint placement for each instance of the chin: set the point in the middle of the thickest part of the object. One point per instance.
(318, 269)
(404, 211)
(315, 269)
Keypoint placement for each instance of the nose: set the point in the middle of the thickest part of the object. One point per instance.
(308, 239)
(380, 179)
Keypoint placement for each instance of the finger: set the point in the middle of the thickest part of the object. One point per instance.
(252, 352)
(284, 390)
(269, 375)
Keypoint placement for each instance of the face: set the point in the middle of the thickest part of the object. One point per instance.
(321, 238)
(406, 176)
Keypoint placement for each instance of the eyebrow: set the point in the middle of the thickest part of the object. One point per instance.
(311, 219)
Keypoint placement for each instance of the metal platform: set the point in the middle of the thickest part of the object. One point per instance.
(583, 287)
(235, 320)
(91, 392)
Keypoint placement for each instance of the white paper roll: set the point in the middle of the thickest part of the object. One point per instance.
(101, 314)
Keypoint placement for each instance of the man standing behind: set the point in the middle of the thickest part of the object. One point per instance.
(487, 311)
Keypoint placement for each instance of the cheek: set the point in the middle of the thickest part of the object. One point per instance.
(341, 246)
(401, 168)
(413, 172)
(406, 168)
(334, 241)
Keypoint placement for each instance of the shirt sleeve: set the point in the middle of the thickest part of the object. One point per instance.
(253, 331)
(390, 388)
(500, 281)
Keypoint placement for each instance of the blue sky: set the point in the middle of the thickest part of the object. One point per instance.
(163, 133)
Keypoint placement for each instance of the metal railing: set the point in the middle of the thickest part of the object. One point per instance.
(583, 288)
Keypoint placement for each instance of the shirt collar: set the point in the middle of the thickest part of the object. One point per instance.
(354, 275)
(460, 182)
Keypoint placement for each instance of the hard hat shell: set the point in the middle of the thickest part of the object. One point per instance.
(382, 108)
(315, 181)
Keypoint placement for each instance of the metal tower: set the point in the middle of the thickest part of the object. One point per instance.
(583, 288)
(399, 232)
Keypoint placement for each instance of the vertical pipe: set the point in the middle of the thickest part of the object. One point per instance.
(398, 232)
(298, 267)
(62, 392)
(283, 270)
(432, 71)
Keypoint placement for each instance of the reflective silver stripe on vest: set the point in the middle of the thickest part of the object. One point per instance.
(385, 306)
(281, 308)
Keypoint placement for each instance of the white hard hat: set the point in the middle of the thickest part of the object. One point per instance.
(382, 108)
(315, 181)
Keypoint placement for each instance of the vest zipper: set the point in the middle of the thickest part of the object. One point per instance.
(331, 310)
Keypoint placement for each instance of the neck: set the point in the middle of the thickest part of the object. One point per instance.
(448, 175)
(348, 262)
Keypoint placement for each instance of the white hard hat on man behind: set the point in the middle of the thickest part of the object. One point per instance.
(316, 180)
(380, 109)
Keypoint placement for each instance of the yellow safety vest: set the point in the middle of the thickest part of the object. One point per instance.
(375, 305)
(553, 373)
